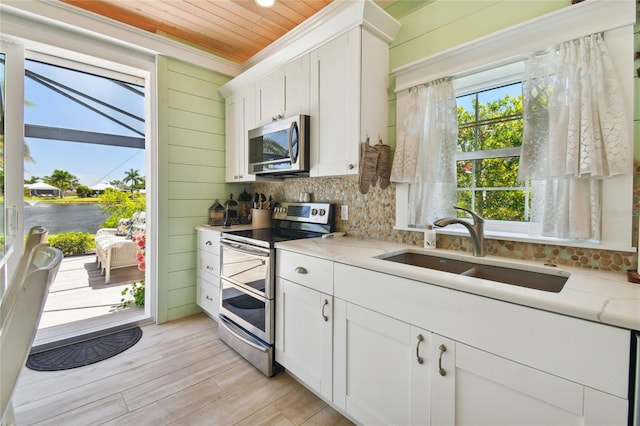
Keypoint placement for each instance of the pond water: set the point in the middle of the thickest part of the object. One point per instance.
(64, 217)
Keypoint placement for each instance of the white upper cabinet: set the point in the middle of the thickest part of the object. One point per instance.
(284, 92)
(349, 100)
(240, 118)
(270, 97)
(297, 86)
(335, 68)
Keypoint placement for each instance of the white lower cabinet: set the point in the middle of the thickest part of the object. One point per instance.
(474, 387)
(478, 373)
(434, 356)
(304, 319)
(208, 270)
(304, 326)
(378, 376)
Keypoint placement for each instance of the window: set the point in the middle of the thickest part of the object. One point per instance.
(488, 155)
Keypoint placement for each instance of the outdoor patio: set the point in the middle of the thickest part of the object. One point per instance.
(80, 302)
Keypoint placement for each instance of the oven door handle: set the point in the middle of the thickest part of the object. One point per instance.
(244, 248)
(239, 333)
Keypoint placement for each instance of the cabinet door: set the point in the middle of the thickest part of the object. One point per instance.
(473, 387)
(297, 86)
(377, 376)
(335, 79)
(270, 96)
(240, 117)
(304, 325)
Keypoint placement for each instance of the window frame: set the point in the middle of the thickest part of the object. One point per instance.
(465, 85)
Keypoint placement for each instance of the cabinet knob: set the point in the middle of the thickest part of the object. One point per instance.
(351, 166)
(324, 305)
(418, 357)
(441, 370)
(301, 270)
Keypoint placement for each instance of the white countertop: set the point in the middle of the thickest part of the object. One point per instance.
(589, 294)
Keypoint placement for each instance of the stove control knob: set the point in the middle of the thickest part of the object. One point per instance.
(322, 212)
(314, 212)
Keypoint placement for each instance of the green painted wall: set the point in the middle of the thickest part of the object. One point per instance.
(191, 161)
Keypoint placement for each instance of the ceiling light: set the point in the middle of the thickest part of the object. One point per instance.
(265, 3)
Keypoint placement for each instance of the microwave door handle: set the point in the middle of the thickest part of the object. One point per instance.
(292, 128)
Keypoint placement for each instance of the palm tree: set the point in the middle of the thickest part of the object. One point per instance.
(62, 180)
(134, 177)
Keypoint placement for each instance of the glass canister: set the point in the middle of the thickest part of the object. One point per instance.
(216, 214)
(231, 211)
(244, 208)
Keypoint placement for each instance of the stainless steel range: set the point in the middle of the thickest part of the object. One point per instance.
(247, 272)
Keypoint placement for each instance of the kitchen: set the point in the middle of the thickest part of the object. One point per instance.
(371, 216)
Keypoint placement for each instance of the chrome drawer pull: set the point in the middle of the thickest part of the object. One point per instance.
(443, 349)
(418, 357)
(301, 270)
(324, 316)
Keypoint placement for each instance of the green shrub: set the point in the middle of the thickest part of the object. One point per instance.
(120, 205)
(136, 291)
(71, 242)
(83, 191)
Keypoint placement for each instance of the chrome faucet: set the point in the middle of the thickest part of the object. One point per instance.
(476, 230)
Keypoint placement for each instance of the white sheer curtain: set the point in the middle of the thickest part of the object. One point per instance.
(426, 150)
(575, 135)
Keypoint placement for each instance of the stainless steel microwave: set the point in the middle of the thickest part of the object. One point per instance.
(280, 148)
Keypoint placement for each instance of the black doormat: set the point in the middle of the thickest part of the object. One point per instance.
(84, 353)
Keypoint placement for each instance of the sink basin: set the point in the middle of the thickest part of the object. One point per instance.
(522, 278)
(535, 280)
(431, 262)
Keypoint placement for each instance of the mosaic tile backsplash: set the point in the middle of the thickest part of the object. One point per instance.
(372, 216)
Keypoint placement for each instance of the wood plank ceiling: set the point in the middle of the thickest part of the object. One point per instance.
(233, 29)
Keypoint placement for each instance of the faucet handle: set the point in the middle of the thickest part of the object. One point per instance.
(476, 218)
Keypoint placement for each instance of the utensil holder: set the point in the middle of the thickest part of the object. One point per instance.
(261, 218)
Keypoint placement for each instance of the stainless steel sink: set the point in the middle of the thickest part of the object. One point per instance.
(522, 278)
(535, 280)
(431, 262)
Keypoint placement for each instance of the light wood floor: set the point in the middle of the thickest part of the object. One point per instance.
(179, 373)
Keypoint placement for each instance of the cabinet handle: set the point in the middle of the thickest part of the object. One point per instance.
(301, 270)
(418, 357)
(208, 243)
(324, 316)
(209, 268)
(351, 166)
(208, 297)
(441, 370)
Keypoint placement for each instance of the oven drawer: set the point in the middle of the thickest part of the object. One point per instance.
(305, 270)
(209, 241)
(209, 263)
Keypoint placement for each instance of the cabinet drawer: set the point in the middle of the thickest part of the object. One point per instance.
(209, 241)
(308, 271)
(208, 297)
(209, 262)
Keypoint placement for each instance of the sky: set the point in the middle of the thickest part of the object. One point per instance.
(90, 163)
